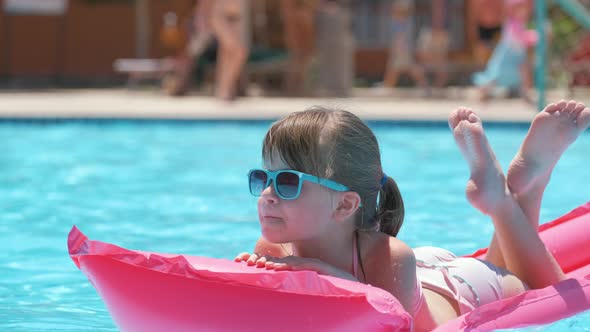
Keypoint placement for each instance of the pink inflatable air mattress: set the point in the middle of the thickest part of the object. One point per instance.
(160, 292)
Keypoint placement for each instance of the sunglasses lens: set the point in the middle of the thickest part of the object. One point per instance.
(287, 184)
(257, 182)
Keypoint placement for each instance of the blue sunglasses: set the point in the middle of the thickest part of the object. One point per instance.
(286, 183)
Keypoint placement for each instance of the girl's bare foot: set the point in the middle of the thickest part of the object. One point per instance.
(551, 132)
(486, 188)
(516, 245)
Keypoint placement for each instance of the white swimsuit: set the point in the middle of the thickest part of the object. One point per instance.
(471, 282)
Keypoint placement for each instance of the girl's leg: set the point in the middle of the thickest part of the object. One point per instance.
(551, 132)
(524, 253)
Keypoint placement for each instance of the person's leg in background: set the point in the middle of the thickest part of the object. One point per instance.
(230, 26)
(299, 26)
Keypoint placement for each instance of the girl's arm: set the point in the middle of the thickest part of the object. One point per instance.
(296, 263)
(391, 265)
(273, 256)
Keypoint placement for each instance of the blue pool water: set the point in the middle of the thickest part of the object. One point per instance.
(181, 187)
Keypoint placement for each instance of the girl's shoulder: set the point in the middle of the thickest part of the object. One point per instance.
(380, 240)
(380, 247)
(391, 265)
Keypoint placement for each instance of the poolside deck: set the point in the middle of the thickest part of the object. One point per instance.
(150, 104)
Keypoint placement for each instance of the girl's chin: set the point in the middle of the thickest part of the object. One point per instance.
(273, 236)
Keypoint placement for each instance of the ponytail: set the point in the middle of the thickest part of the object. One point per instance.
(390, 214)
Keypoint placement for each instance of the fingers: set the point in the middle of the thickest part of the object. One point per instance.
(279, 263)
(251, 259)
(260, 262)
(273, 263)
(242, 257)
(292, 263)
(279, 266)
(255, 260)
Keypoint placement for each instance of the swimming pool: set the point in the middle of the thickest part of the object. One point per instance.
(181, 187)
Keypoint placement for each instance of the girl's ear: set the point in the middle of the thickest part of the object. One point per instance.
(348, 204)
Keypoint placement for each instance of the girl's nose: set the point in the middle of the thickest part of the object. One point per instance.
(269, 195)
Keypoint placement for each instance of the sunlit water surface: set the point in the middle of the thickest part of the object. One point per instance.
(181, 187)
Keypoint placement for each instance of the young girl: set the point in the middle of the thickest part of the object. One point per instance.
(327, 205)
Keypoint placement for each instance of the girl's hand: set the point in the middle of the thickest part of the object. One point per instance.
(251, 259)
(293, 263)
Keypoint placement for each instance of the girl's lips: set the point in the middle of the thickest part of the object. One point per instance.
(271, 218)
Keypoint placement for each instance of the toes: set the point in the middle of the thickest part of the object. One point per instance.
(552, 107)
(460, 114)
(465, 113)
(559, 106)
(583, 120)
(578, 109)
(473, 118)
(454, 119)
(570, 106)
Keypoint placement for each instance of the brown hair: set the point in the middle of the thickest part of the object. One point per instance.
(337, 145)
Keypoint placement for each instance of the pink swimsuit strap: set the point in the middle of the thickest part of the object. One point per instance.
(355, 259)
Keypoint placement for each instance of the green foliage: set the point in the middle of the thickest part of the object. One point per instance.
(566, 32)
(566, 35)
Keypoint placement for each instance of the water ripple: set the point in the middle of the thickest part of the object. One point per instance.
(183, 189)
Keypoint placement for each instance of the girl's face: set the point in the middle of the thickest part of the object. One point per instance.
(307, 217)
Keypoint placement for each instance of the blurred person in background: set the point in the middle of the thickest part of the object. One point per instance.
(199, 41)
(402, 48)
(299, 24)
(433, 44)
(226, 23)
(485, 21)
(334, 56)
(509, 66)
(230, 21)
